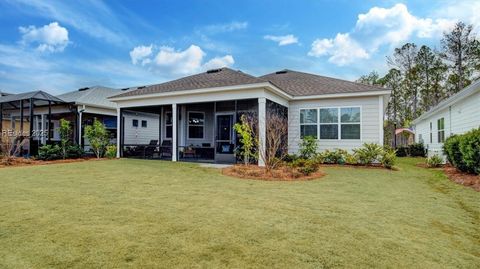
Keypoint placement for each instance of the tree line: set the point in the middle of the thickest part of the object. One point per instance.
(421, 77)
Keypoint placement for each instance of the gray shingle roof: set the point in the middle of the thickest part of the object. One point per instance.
(94, 96)
(40, 95)
(223, 77)
(303, 84)
(292, 82)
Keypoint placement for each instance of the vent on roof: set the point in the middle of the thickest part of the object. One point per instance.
(281, 72)
(214, 70)
(83, 89)
(141, 87)
(124, 89)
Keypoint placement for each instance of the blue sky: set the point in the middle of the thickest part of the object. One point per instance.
(60, 46)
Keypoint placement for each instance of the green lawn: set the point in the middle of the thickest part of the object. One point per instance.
(137, 213)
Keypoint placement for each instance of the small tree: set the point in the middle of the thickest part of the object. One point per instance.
(65, 132)
(98, 136)
(247, 138)
(275, 150)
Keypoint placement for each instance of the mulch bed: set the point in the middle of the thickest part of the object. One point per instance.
(465, 179)
(259, 173)
(29, 162)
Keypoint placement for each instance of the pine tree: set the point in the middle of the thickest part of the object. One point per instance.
(404, 60)
(431, 74)
(458, 49)
(371, 79)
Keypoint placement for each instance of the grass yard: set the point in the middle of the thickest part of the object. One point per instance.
(137, 213)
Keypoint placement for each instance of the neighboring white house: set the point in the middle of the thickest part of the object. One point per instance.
(455, 115)
(197, 113)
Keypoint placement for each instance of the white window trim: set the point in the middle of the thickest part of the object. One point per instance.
(339, 123)
(188, 125)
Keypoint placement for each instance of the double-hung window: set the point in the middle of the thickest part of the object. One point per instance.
(309, 122)
(350, 122)
(332, 123)
(196, 125)
(328, 123)
(441, 130)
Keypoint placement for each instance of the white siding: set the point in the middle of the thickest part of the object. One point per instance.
(141, 135)
(371, 128)
(460, 117)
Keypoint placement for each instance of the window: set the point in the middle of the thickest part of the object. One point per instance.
(420, 138)
(196, 124)
(168, 125)
(350, 122)
(135, 123)
(441, 130)
(329, 123)
(431, 133)
(308, 122)
(332, 123)
(144, 124)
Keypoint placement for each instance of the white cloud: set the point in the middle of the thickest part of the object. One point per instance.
(378, 28)
(50, 38)
(140, 54)
(282, 40)
(171, 62)
(218, 62)
(224, 27)
(342, 49)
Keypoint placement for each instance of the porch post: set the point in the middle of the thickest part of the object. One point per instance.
(262, 113)
(30, 135)
(79, 126)
(1, 122)
(21, 118)
(42, 132)
(49, 121)
(174, 132)
(119, 127)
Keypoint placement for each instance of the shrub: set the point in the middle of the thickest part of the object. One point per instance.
(351, 159)
(368, 154)
(334, 157)
(470, 149)
(416, 150)
(305, 166)
(111, 151)
(402, 151)
(451, 148)
(290, 158)
(74, 152)
(434, 161)
(388, 157)
(308, 147)
(50, 152)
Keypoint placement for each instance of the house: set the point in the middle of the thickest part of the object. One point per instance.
(80, 106)
(197, 113)
(455, 115)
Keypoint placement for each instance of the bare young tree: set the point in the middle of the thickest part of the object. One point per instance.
(10, 148)
(275, 138)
